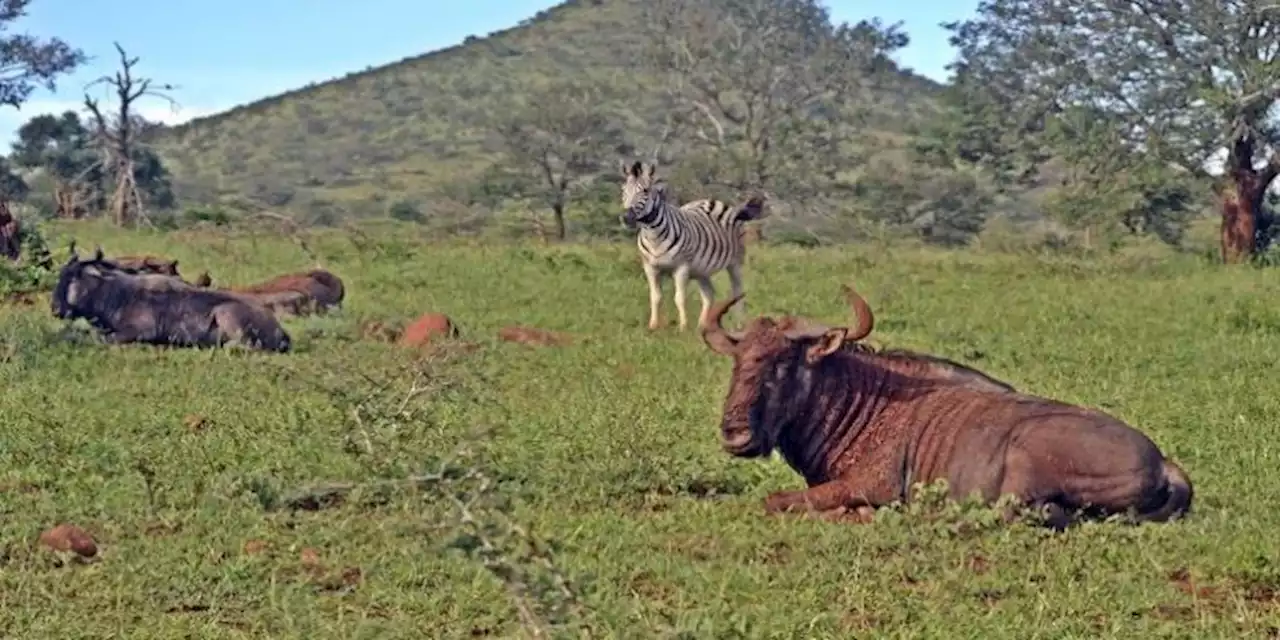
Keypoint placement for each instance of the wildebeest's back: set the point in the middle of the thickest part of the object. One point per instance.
(188, 316)
(323, 287)
(995, 443)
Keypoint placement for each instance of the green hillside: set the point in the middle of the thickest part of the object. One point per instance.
(409, 129)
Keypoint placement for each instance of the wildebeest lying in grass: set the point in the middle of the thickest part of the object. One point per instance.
(322, 289)
(145, 264)
(163, 310)
(863, 427)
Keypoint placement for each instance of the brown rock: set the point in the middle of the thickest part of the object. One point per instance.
(67, 537)
(427, 328)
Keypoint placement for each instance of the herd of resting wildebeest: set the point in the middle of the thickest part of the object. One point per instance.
(862, 426)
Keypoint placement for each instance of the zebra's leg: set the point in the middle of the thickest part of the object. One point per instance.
(655, 295)
(708, 292)
(735, 287)
(681, 276)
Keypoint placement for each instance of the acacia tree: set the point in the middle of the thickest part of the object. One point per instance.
(1180, 82)
(27, 62)
(769, 88)
(555, 138)
(119, 135)
(63, 149)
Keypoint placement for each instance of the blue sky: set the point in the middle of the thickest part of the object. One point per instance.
(244, 50)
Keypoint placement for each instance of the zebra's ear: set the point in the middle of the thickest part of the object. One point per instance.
(649, 170)
(753, 209)
(636, 169)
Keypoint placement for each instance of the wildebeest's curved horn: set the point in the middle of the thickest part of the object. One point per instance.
(97, 252)
(866, 320)
(714, 334)
(72, 255)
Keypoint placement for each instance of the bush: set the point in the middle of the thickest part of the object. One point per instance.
(34, 269)
(406, 211)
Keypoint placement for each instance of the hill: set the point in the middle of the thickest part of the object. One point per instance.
(410, 129)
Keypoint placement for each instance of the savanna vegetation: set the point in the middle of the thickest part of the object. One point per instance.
(1046, 217)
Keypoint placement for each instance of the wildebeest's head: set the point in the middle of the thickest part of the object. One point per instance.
(773, 364)
(645, 205)
(77, 282)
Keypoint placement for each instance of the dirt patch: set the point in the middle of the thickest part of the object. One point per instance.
(978, 564)
(1225, 593)
(19, 486)
(20, 299)
(161, 529)
(380, 331)
(255, 547)
(195, 423)
(699, 548)
(534, 336)
(774, 553)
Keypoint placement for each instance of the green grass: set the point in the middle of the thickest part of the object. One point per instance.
(609, 449)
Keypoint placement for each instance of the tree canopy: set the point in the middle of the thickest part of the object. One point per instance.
(769, 88)
(1177, 83)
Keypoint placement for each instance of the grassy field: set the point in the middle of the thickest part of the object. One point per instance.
(184, 464)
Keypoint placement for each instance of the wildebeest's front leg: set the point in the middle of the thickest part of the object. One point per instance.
(836, 497)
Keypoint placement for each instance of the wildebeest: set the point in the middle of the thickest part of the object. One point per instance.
(863, 427)
(145, 264)
(322, 287)
(162, 310)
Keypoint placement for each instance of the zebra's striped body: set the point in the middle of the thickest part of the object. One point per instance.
(696, 240)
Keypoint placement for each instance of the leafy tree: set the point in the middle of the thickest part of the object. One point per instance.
(772, 87)
(405, 211)
(64, 150)
(12, 187)
(27, 62)
(556, 137)
(1177, 81)
(70, 155)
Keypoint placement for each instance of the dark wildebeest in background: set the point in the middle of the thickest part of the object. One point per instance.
(322, 289)
(162, 310)
(863, 427)
(10, 234)
(145, 264)
(140, 265)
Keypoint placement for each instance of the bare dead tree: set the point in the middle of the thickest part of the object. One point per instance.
(118, 134)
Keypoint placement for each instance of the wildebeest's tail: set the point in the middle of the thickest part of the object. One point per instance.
(1179, 493)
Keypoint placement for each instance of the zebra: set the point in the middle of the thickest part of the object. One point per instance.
(695, 240)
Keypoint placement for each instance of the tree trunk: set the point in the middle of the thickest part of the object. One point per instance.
(1242, 200)
(562, 232)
